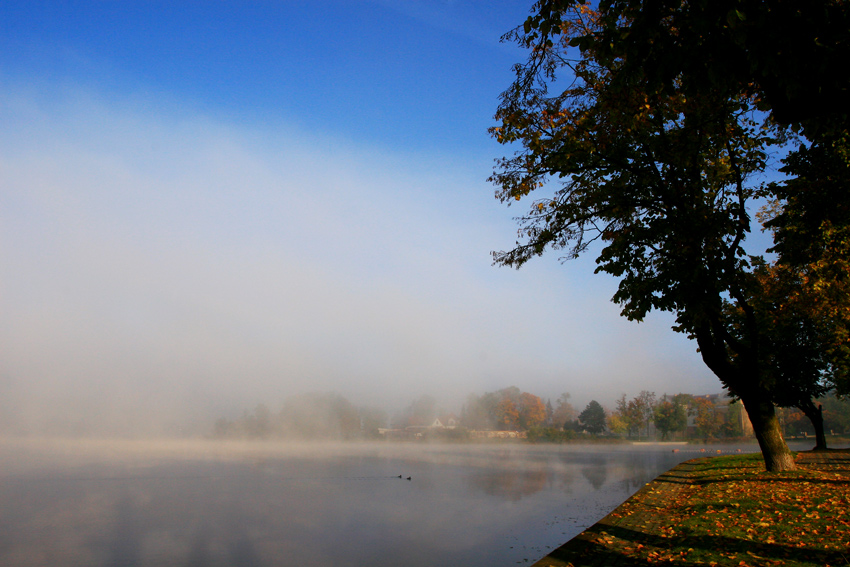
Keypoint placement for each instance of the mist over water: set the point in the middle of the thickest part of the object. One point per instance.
(160, 269)
(99, 503)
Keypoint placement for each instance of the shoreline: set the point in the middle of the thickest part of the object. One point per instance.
(639, 521)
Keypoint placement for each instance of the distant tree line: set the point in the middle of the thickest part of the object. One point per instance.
(330, 416)
(710, 417)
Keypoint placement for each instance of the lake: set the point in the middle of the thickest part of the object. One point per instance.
(133, 503)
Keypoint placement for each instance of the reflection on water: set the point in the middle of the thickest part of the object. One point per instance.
(596, 473)
(208, 504)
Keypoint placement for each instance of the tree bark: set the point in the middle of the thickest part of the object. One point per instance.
(815, 415)
(741, 378)
(762, 413)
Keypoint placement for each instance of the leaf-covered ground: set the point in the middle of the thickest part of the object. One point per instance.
(727, 511)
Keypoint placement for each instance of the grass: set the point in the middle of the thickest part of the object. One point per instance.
(759, 518)
(728, 511)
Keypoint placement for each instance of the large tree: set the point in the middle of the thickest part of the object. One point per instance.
(505, 409)
(532, 411)
(564, 411)
(785, 57)
(635, 414)
(592, 418)
(660, 175)
(708, 420)
(670, 416)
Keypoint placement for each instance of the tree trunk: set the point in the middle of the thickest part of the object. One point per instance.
(741, 378)
(762, 413)
(815, 415)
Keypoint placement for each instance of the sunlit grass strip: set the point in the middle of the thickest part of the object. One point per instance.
(732, 512)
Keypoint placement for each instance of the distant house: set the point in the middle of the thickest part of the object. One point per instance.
(448, 421)
(443, 422)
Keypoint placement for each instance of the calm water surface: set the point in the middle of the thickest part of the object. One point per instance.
(207, 504)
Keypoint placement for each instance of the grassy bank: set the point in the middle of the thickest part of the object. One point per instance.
(727, 511)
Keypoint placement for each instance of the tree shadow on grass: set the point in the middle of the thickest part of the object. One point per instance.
(675, 479)
(731, 545)
(587, 550)
(726, 479)
(829, 469)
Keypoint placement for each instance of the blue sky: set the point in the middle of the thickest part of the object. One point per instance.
(414, 74)
(206, 205)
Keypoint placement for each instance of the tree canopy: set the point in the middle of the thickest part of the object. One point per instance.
(592, 418)
(670, 416)
(785, 55)
(505, 409)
